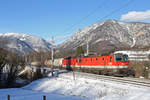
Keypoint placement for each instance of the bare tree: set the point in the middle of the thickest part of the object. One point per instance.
(2, 64)
(9, 67)
(12, 68)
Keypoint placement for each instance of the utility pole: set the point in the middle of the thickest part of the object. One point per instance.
(52, 55)
(87, 47)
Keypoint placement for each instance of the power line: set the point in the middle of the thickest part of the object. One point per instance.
(102, 18)
(117, 10)
(85, 17)
(114, 11)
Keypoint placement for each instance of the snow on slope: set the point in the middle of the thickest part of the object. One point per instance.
(111, 32)
(78, 88)
(89, 88)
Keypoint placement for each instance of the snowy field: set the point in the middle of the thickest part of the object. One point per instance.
(67, 87)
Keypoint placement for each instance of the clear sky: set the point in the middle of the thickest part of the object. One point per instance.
(47, 18)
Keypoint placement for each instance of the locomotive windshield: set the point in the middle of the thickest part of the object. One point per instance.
(125, 58)
(121, 57)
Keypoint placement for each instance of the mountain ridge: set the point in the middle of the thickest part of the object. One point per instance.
(24, 43)
(103, 37)
(110, 34)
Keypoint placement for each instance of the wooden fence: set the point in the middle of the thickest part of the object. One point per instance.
(9, 97)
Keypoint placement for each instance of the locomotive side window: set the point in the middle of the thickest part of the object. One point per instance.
(121, 58)
(102, 58)
(96, 58)
(79, 60)
(110, 59)
(118, 58)
(125, 58)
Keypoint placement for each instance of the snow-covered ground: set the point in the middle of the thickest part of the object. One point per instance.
(67, 87)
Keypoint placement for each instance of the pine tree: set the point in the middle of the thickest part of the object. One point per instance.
(79, 51)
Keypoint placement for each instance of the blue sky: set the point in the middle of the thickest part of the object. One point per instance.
(47, 18)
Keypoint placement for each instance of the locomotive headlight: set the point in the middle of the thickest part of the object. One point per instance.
(123, 64)
(110, 63)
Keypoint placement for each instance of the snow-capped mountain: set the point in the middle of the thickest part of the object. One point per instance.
(24, 43)
(109, 35)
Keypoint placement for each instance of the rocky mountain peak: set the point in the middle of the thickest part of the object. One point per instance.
(111, 33)
(24, 43)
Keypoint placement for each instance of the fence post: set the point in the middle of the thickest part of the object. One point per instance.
(44, 97)
(8, 97)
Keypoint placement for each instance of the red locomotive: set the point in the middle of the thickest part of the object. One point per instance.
(114, 64)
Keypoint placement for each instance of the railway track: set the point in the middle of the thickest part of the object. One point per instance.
(137, 82)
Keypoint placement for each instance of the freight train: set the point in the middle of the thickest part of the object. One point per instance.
(116, 64)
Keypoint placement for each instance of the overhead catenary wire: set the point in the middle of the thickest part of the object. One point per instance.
(114, 11)
(117, 10)
(102, 18)
(89, 14)
(82, 19)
